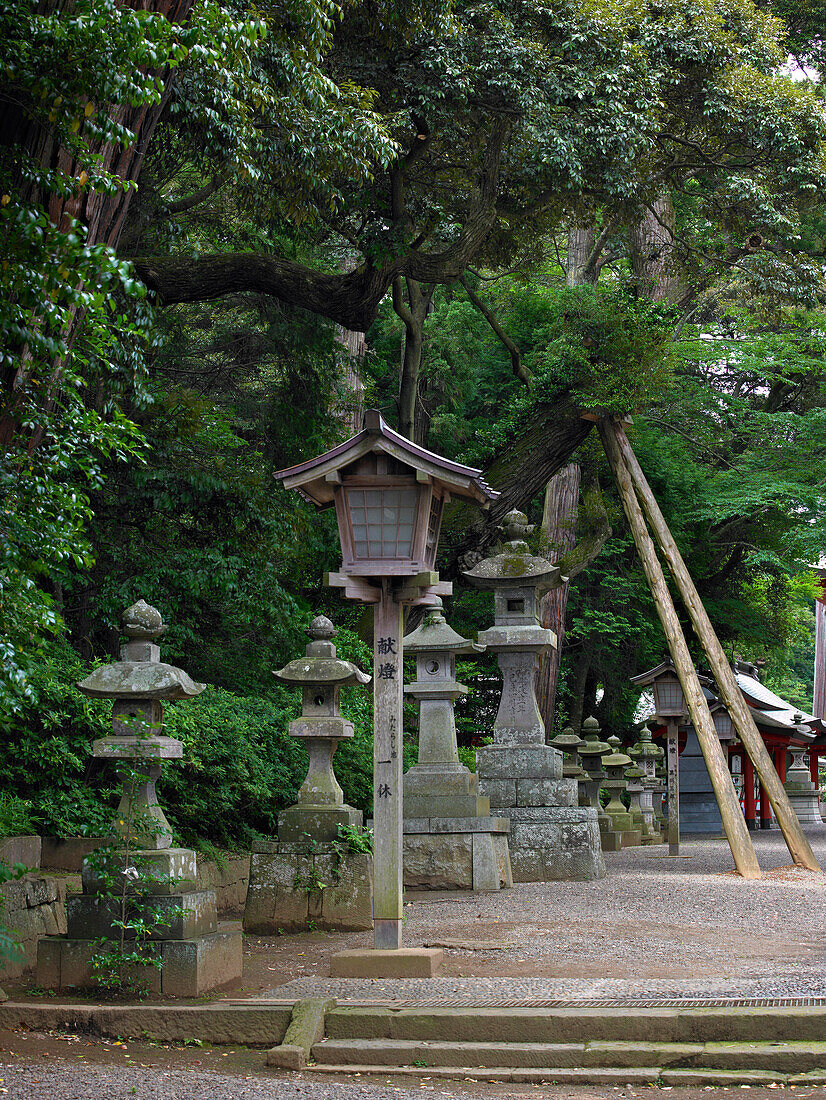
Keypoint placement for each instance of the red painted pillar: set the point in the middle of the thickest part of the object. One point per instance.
(765, 809)
(748, 791)
(780, 763)
(813, 767)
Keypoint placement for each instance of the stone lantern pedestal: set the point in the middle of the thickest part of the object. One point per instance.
(551, 837)
(310, 874)
(803, 794)
(451, 842)
(197, 953)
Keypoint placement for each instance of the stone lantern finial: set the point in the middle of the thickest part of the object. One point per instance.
(321, 629)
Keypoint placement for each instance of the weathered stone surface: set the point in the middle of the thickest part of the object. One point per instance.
(546, 792)
(171, 870)
(319, 822)
(404, 962)
(306, 1028)
(457, 825)
(347, 902)
(517, 762)
(182, 916)
(449, 806)
(439, 861)
(284, 893)
(21, 849)
(191, 967)
(31, 908)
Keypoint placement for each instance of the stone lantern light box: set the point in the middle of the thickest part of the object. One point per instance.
(389, 495)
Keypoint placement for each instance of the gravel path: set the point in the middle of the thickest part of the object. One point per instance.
(655, 926)
(56, 1081)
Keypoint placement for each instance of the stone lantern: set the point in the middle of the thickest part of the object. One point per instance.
(621, 821)
(309, 874)
(551, 836)
(450, 840)
(197, 953)
(570, 743)
(646, 754)
(321, 675)
(804, 795)
(591, 754)
(138, 684)
(634, 776)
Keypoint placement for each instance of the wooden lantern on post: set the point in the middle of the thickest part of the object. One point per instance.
(669, 705)
(389, 495)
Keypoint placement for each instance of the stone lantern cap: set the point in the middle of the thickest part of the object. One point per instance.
(321, 665)
(634, 772)
(645, 747)
(513, 563)
(594, 747)
(616, 759)
(568, 741)
(146, 677)
(435, 634)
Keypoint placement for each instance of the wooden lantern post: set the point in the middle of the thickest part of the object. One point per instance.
(389, 495)
(671, 708)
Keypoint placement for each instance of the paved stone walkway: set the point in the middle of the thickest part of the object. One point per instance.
(656, 927)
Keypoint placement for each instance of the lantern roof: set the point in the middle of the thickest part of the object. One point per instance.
(666, 668)
(321, 664)
(142, 675)
(315, 479)
(435, 634)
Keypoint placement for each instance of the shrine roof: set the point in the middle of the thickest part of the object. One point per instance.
(310, 478)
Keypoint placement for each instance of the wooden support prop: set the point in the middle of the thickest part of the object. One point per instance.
(738, 708)
(734, 825)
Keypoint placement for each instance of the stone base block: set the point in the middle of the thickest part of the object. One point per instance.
(517, 762)
(190, 967)
(554, 843)
(631, 838)
(806, 804)
(181, 916)
(294, 885)
(445, 805)
(403, 962)
(21, 849)
(610, 841)
(169, 871)
(319, 823)
(446, 860)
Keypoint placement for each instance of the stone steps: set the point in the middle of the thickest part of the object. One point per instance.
(574, 1024)
(679, 1046)
(783, 1058)
(628, 1075)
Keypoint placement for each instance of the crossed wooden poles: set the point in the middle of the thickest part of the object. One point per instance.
(640, 505)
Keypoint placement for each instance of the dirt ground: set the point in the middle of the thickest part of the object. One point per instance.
(39, 1064)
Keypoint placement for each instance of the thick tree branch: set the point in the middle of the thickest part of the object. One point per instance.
(350, 299)
(519, 369)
